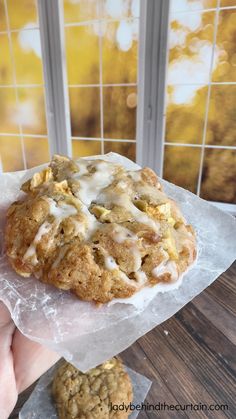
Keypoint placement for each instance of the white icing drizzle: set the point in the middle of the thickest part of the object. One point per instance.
(152, 192)
(60, 256)
(137, 258)
(91, 184)
(93, 223)
(143, 218)
(31, 251)
(127, 280)
(31, 254)
(166, 267)
(43, 229)
(160, 269)
(141, 277)
(61, 211)
(120, 234)
(79, 226)
(110, 263)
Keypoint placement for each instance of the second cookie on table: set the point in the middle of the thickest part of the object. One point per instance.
(92, 395)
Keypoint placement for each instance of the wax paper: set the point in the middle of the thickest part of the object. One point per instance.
(40, 404)
(87, 335)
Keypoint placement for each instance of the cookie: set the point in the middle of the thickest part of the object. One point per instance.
(97, 229)
(91, 395)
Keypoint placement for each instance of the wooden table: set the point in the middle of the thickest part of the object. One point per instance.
(191, 357)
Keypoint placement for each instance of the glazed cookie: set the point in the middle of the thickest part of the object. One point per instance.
(91, 395)
(97, 229)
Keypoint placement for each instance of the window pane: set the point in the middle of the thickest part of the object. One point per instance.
(82, 148)
(181, 166)
(27, 56)
(221, 127)
(126, 149)
(119, 112)
(225, 3)
(10, 147)
(81, 10)
(8, 111)
(3, 23)
(119, 9)
(22, 13)
(85, 111)
(219, 174)
(31, 110)
(190, 43)
(36, 151)
(225, 54)
(185, 114)
(5, 61)
(82, 52)
(120, 49)
(180, 5)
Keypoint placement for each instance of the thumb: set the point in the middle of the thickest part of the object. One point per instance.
(8, 394)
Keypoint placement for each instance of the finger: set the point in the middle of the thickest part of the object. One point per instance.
(31, 360)
(8, 393)
(7, 328)
(5, 316)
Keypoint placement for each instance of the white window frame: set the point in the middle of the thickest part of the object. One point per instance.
(51, 26)
(153, 57)
(152, 82)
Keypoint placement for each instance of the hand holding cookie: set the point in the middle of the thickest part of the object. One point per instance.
(22, 361)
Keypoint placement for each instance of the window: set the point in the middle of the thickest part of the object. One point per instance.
(23, 130)
(200, 135)
(187, 128)
(179, 56)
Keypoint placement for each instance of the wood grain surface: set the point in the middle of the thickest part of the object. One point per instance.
(190, 358)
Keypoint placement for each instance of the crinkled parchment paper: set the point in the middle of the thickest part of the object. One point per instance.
(40, 404)
(86, 335)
